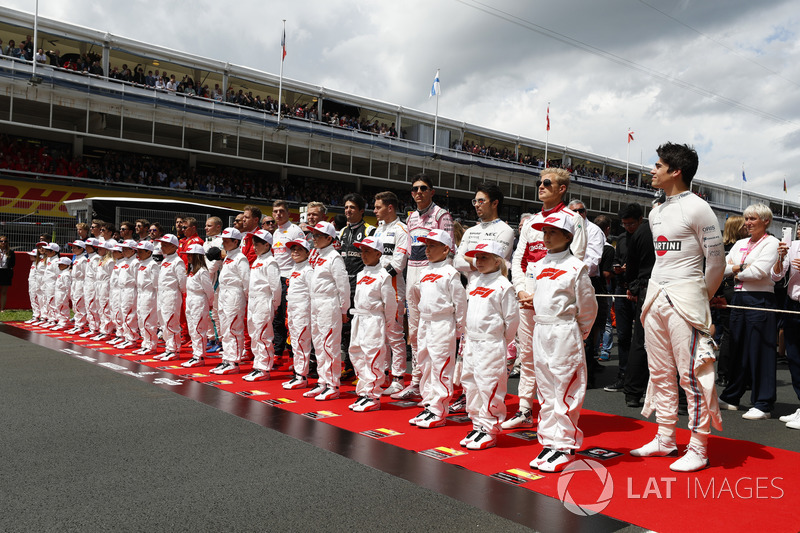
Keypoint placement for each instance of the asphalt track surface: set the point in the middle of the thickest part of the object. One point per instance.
(88, 449)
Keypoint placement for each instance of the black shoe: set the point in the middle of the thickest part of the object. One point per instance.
(617, 386)
(633, 402)
(723, 382)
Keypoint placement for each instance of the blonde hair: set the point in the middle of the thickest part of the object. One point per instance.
(733, 226)
(561, 176)
(458, 232)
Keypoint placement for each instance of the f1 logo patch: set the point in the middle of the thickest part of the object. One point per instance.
(430, 277)
(552, 273)
(483, 292)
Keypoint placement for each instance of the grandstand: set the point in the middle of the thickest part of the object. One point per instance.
(101, 95)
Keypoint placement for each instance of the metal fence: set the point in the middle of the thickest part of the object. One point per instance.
(165, 217)
(24, 232)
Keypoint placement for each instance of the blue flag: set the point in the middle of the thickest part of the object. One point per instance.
(744, 178)
(435, 88)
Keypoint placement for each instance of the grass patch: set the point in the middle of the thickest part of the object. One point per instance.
(15, 315)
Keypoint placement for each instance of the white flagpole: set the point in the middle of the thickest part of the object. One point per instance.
(438, 86)
(547, 135)
(280, 82)
(741, 188)
(627, 158)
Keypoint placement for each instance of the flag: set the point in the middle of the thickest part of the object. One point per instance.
(548, 117)
(784, 186)
(744, 178)
(283, 44)
(436, 90)
(630, 136)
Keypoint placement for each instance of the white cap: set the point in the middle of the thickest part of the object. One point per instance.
(556, 220)
(32, 253)
(487, 247)
(79, 243)
(438, 236)
(232, 233)
(264, 235)
(196, 249)
(109, 244)
(299, 242)
(128, 243)
(65, 261)
(91, 241)
(52, 246)
(370, 242)
(326, 228)
(145, 245)
(169, 238)
(42, 243)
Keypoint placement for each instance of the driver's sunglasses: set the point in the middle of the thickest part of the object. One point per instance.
(420, 188)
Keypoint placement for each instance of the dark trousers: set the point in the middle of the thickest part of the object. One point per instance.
(754, 338)
(625, 311)
(637, 372)
(791, 336)
(279, 323)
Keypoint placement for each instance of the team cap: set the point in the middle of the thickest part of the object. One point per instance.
(110, 244)
(264, 235)
(556, 220)
(145, 245)
(196, 249)
(299, 242)
(169, 238)
(128, 243)
(52, 246)
(326, 228)
(370, 242)
(487, 247)
(65, 261)
(438, 236)
(78, 243)
(232, 233)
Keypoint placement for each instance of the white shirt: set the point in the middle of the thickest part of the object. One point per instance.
(595, 241)
(760, 261)
(282, 235)
(495, 230)
(793, 289)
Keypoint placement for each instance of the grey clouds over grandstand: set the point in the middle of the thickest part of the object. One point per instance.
(723, 76)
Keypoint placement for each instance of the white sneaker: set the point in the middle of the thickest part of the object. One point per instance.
(756, 414)
(318, 388)
(413, 420)
(214, 370)
(725, 406)
(482, 441)
(330, 393)
(459, 405)
(87, 334)
(542, 457)
(170, 356)
(410, 392)
(193, 362)
(658, 447)
(58, 327)
(395, 387)
(227, 368)
(353, 405)
(693, 460)
(430, 420)
(790, 418)
(124, 344)
(556, 461)
(257, 375)
(521, 419)
(367, 405)
(794, 424)
(471, 435)
(297, 382)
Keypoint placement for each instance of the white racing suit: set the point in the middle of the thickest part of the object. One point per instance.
(214, 241)
(396, 246)
(531, 249)
(234, 280)
(330, 299)
(126, 283)
(264, 298)
(146, 302)
(33, 290)
(171, 286)
(102, 282)
(492, 321)
(90, 292)
(374, 306)
(61, 297)
(76, 290)
(419, 225)
(298, 314)
(114, 300)
(49, 277)
(565, 306)
(676, 314)
(199, 295)
(442, 304)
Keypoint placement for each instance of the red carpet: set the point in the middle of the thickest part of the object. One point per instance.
(747, 486)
